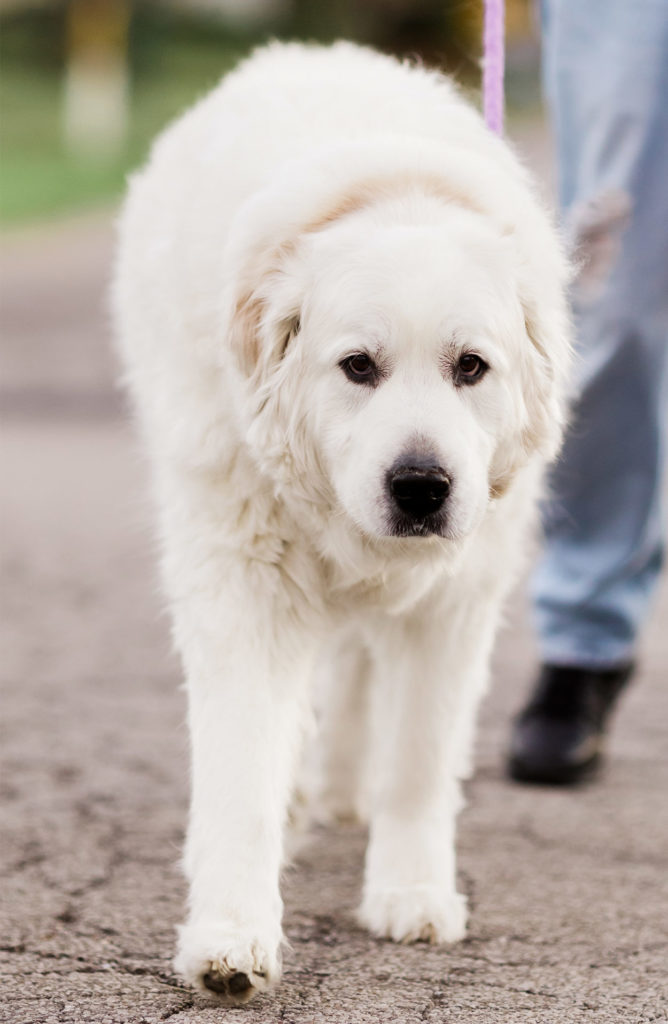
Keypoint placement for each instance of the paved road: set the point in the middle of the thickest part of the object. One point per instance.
(568, 890)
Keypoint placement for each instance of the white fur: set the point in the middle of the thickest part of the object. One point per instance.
(317, 203)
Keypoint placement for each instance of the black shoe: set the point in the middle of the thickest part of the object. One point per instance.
(558, 738)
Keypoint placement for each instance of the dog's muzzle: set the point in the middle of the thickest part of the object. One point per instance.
(418, 492)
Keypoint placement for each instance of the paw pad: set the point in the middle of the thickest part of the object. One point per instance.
(233, 985)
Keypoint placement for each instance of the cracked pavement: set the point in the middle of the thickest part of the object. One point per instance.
(568, 890)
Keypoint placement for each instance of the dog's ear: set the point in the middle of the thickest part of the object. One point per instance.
(544, 366)
(262, 312)
(545, 374)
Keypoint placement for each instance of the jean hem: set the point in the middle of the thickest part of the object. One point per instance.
(588, 661)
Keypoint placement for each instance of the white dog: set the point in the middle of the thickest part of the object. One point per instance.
(342, 315)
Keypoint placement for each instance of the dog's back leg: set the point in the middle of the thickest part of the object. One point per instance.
(336, 769)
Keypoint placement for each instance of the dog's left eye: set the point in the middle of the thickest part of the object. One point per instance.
(360, 368)
(471, 368)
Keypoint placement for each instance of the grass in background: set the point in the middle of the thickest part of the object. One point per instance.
(172, 63)
(174, 58)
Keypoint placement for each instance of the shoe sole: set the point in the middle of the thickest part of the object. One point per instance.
(553, 775)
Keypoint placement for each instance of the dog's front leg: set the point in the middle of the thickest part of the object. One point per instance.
(247, 664)
(246, 711)
(431, 667)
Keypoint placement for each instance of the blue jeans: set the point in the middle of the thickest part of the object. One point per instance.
(606, 73)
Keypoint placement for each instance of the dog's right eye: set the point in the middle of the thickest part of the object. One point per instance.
(360, 369)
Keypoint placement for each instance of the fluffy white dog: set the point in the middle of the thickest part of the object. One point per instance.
(342, 316)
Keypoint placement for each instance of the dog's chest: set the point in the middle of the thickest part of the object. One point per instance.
(394, 589)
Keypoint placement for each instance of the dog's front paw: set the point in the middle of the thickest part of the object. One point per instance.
(233, 966)
(414, 913)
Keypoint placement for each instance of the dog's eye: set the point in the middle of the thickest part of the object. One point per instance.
(360, 369)
(471, 368)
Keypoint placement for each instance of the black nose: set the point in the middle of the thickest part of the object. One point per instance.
(418, 491)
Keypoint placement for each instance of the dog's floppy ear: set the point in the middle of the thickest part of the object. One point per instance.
(544, 364)
(262, 311)
(545, 373)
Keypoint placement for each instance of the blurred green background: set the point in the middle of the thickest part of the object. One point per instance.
(86, 84)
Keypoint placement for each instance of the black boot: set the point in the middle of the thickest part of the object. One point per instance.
(558, 738)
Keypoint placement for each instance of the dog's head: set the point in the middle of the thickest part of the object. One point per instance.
(403, 358)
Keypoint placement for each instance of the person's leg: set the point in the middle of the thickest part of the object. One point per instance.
(606, 65)
(607, 76)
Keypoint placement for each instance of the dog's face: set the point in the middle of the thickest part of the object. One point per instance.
(411, 328)
(405, 388)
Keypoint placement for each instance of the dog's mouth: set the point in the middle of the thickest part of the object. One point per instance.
(432, 525)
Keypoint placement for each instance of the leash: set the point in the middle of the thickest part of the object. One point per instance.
(493, 65)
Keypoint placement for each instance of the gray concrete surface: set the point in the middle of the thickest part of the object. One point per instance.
(568, 889)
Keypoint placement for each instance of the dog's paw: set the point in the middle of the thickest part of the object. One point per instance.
(333, 808)
(418, 913)
(234, 967)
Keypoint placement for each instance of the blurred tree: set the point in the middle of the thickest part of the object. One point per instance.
(440, 32)
(96, 77)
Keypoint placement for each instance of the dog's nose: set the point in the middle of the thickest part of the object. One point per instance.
(419, 491)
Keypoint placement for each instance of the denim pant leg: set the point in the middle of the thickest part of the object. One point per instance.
(606, 69)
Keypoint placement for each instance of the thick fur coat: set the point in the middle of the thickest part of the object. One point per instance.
(341, 312)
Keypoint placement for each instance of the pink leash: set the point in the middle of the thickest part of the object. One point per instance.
(493, 65)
